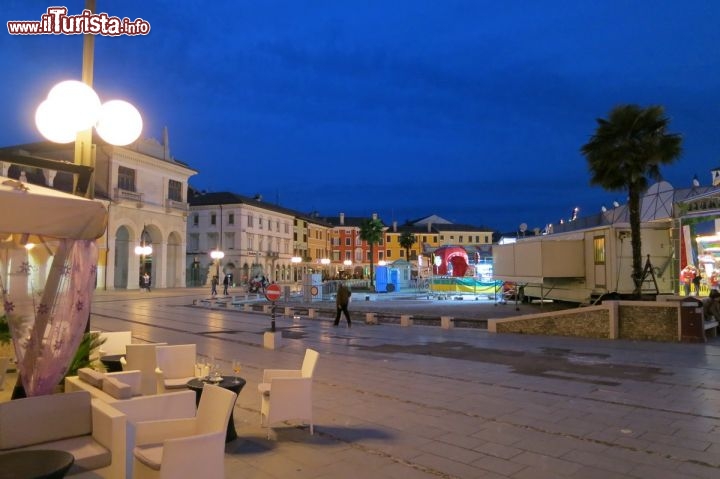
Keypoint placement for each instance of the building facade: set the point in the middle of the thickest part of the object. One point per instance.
(255, 237)
(144, 189)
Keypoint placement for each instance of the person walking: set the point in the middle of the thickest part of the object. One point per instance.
(214, 285)
(711, 306)
(342, 299)
(226, 283)
(146, 282)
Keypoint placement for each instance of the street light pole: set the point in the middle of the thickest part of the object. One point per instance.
(295, 260)
(84, 148)
(325, 262)
(143, 251)
(217, 255)
(437, 262)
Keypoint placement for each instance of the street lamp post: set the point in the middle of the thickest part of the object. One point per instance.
(296, 260)
(217, 255)
(143, 250)
(437, 261)
(325, 262)
(64, 114)
(347, 263)
(72, 109)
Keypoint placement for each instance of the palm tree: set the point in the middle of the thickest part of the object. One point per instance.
(625, 152)
(371, 231)
(406, 240)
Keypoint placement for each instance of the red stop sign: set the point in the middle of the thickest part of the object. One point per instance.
(272, 292)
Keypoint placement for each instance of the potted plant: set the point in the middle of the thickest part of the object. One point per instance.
(5, 336)
(6, 347)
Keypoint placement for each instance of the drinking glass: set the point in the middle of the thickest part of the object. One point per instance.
(215, 371)
(236, 367)
(201, 366)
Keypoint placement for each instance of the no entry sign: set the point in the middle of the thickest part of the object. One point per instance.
(272, 292)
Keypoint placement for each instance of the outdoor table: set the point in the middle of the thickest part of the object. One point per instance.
(35, 464)
(112, 362)
(233, 383)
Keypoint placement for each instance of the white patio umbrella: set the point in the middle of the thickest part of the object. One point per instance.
(47, 290)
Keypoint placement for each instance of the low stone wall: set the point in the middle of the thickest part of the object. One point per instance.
(589, 322)
(648, 321)
(634, 320)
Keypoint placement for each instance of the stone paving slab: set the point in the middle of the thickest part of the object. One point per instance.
(422, 402)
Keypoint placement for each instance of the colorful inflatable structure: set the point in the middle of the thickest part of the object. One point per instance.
(453, 261)
(451, 268)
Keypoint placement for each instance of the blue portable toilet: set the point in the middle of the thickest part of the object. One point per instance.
(394, 280)
(381, 279)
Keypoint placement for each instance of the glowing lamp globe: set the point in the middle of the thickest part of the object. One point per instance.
(119, 123)
(78, 102)
(49, 119)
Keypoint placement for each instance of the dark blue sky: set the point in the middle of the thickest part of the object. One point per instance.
(473, 110)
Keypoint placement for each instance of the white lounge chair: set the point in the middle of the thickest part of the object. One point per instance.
(142, 357)
(286, 394)
(175, 366)
(190, 447)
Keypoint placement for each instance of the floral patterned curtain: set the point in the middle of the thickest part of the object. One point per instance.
(49, 323)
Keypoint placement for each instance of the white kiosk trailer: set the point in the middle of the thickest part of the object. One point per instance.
(594, 258)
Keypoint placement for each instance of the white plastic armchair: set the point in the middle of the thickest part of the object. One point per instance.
(286, 394)
(175, 366)
(115, 342)
(142, 357)
(189, 447)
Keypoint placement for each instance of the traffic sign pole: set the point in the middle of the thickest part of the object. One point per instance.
(272, 294)
(272, 321)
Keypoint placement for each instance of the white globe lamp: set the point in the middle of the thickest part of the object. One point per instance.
(50, 124)
(119, 123)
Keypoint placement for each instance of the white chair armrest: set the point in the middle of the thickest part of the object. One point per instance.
(289, 389)
(270, 374)
(105, 419)
(155, 432)
(132, 378)
(160, 381)
(110, 430)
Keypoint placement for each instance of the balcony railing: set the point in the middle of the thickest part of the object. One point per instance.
(121, 195)
(175, 205)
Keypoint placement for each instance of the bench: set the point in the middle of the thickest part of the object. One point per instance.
(91, 430)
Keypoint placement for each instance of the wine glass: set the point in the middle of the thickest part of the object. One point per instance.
(236, 367)
(215, 370)
(200, 366)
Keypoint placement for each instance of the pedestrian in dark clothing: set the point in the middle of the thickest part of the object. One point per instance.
(711, 306)
(213, 285)
(341, 301)
(226, 283)
(146, 282)
(696, 282)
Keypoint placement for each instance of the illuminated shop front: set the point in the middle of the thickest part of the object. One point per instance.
(700, 238)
